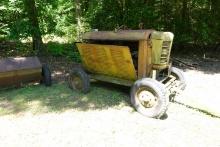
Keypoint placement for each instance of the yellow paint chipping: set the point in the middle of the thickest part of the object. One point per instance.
(108, 60)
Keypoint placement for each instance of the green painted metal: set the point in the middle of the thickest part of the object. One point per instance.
(161, 47)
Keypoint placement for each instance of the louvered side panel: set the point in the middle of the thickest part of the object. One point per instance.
(109, 60)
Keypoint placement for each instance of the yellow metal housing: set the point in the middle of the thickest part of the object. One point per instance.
(110, 60)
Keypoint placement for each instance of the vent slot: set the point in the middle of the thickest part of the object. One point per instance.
(165, 52)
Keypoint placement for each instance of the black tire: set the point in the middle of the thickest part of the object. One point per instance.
(160, 98)
(179, 76)
(79, 80)
(46, 76)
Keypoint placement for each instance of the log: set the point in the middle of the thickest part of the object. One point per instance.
(191, 66)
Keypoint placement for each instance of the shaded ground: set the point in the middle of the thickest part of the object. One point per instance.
(204, 65)
(56, 116)
(59, 66)
(59, 98)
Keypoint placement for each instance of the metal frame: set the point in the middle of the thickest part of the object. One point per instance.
(145, 66)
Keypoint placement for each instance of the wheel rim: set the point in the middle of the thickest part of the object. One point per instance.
(76, 82)
(147, 97)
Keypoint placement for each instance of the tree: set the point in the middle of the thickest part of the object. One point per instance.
(32, 13)
(192, 21)
(78, 19)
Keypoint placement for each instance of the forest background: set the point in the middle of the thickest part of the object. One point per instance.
(48, 26)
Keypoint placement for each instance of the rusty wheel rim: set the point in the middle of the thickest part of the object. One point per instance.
(147, 97)
(76, 82)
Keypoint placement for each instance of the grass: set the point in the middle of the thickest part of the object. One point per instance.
(58, 98)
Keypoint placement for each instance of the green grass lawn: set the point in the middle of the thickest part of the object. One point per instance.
(58, 98)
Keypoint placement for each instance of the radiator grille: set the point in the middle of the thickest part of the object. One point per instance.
(165, 52)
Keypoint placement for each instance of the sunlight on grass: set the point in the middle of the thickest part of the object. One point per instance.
(58, 98)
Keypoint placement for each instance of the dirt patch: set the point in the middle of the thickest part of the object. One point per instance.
(110, 127)
(59, 66)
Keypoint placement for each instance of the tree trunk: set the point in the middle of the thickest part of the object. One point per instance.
(30, 8)
(79, 28)
(185, 20)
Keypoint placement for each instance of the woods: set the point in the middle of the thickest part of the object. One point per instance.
(192, 21)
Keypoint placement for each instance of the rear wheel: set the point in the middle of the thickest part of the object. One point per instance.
(149, 98)
(178, 74)
(79, 80)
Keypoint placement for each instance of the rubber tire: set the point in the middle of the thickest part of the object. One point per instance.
(176, 72)
(83, 76)
(158, 88)
(46, 75)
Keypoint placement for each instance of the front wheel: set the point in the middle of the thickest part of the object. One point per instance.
(178, 74)
(149, 97)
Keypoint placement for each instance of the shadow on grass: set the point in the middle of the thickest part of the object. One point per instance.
(58, 98)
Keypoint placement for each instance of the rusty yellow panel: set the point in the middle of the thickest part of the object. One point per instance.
(109, 60)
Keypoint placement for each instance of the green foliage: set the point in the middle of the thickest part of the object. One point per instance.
(10, 48)
(55, 49)
(192, 21)
(67, 50)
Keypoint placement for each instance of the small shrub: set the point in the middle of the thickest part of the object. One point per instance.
(67, 50)
(55, 49)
